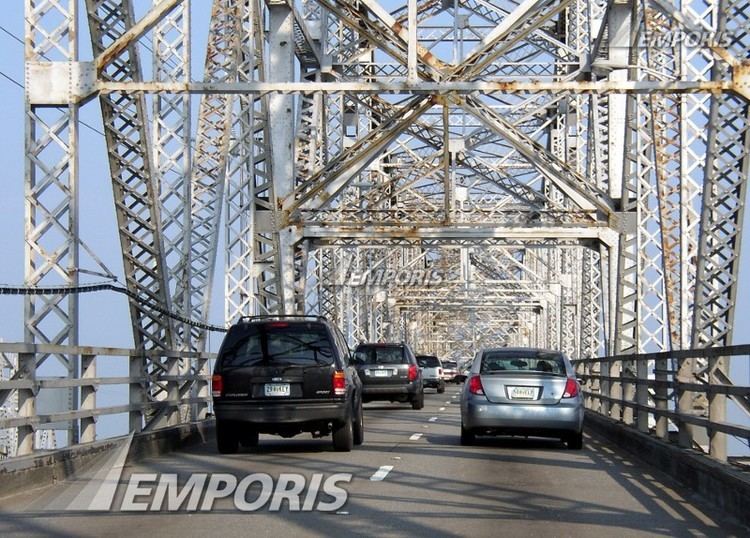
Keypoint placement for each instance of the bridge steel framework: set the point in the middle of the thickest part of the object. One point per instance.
(567, 174)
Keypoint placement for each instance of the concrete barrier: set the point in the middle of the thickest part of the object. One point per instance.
(40, 470)
(720, 484)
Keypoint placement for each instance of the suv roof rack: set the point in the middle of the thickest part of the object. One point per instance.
(281, 316)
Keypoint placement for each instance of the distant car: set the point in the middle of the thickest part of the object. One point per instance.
(389, 372)
(432, 372)
(522, 391)
(285, 375)
(450, 371)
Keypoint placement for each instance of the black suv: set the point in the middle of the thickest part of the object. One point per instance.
(389, 372)
(285, 375)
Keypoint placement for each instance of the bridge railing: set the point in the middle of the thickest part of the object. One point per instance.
(175, 392)
(677, 396)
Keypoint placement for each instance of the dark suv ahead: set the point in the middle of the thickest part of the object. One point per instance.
(389, 372)
(285, 375)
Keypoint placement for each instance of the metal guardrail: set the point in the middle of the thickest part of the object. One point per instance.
(182, 396)
(678, 396)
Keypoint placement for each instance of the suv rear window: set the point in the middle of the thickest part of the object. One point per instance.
(425, 361)
(450, 364)
(279, 343)
(493, 363)
(384, 355)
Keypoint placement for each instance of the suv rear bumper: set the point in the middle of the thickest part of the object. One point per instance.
(287, 412)
(375, 391)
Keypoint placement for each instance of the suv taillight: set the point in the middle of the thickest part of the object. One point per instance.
(571, 388)
(440, 371)
(339, 383)
(413, 372)
(217, 386)
(475, 385)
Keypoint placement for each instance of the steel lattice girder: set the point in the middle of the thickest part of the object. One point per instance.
(133, 181)
(51, 249)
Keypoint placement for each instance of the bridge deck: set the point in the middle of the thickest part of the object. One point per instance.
(436, 487)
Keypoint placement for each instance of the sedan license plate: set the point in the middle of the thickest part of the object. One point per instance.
(522, 393)
(277, 389)
(381, 373)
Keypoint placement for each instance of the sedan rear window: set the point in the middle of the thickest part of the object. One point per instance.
(383, 355)
(498, 363)
(425, 361)
(290, 344)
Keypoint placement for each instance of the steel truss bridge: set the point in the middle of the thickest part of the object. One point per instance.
(573, 173)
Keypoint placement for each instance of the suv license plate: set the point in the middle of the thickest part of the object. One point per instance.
(381, 373)
(522, 393)
(277, 389)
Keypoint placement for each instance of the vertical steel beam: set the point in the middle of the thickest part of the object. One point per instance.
(171, 129)
(51, 250)
(88, 398)
(27, 366)
(413, 74)
(281, 109)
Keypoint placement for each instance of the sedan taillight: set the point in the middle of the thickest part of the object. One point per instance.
(413, 372)
(475, 385)
(339, 383)
(217, 386)
(571, 388)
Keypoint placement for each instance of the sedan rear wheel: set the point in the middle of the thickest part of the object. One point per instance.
(467, 436)
(574, 441)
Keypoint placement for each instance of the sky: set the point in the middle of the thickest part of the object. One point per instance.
(104, 316)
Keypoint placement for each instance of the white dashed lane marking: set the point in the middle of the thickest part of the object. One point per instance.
(441, 409)
(415, 437)
(381, 473)
(432, 419)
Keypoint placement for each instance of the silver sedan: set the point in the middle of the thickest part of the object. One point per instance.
(522, 391)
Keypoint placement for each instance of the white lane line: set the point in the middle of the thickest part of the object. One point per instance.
(455, 396)
(381, 473)
(448, 402)
(415, 437)
(432, 419)
(441, 409)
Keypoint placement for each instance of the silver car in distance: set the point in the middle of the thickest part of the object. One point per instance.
(522, 391)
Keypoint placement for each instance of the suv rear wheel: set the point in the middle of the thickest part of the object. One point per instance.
(249, 439)
(343, 436)
(417, 401)
(441, 387)
(226, 437)
(359, 426)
